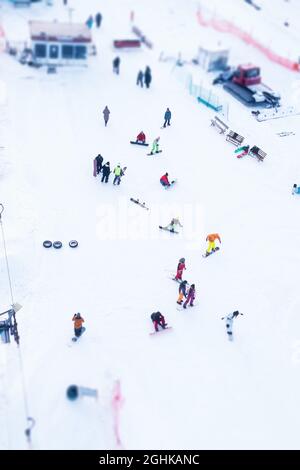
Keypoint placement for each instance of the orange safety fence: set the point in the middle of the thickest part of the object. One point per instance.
(225, 26)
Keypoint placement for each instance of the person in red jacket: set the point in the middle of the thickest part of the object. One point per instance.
(164, 180)
(141, 137)
(180, 268)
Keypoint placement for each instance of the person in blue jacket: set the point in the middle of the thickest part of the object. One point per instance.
(296, 189)
(167, 117)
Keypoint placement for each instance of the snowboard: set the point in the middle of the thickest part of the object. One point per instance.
(167, 229)
(95, 167)
(154, 153)
(206, 255)
(171, 184)
(176, 280)
(139, 143)
(75, 338)
(284, 134)
(142, 204)
(159, 331)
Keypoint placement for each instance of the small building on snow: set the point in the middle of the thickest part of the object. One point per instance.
(55, 43)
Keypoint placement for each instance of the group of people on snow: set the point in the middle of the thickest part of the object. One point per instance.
(118, 171)
(144, 77)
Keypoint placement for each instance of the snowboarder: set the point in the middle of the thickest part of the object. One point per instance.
(78, 320)
(118, 174)
(173, 224)
(180, 268)
(182, 292)
(167, 117)
(229, 321)
(99, 160)
(147, 77)
(89, 22)
(106, 113)
(105, 172)
(242, 151)
(98, 19)
(212, 242)
(155, 146)
(190, 297)
(140, 79)
(164, 180)
(116, 65)
(296, 189)
(141, 137)
(158, 320)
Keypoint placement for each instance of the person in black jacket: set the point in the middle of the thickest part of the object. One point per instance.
(159, 320)
(105, 172)
(98, 19)
(99, 160)
(116, 65)
(182, 292)
(147, 77)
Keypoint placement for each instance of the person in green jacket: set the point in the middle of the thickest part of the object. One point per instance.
(155, 146)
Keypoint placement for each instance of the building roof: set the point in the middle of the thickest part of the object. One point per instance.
(63, 32)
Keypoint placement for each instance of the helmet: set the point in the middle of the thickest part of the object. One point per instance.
(182, 260)
(77, 315)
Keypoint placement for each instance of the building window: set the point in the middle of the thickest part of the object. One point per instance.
(40, 51)
(53, 52)
(67, 52)
(80, 52)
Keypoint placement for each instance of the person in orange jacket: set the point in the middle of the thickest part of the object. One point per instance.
(211, 239)
(78, 320)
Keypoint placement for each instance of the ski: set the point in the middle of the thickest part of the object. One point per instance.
(167, 229)
(208, 254)
(159, 331)
(142, 204)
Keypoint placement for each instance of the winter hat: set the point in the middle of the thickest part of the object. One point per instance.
(182, 260)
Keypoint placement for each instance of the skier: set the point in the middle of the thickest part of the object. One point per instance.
(296, 189)
(106, 113)
(99, 160)
(211, 242)
(89, 22)
(98, 19)
(173, 224)
(117, 173)
(242, 151)
(158, 320)
(190, 297)
(116, 65)
(180, 268)
(182, 292)
(140, 79)
(147, 77)
(105, 172)
(167, 117)
(164, 180)
(141, 137)
(229, 322)
(78, 320)
(155, 146)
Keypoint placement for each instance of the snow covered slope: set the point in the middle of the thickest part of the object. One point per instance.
(189, 387)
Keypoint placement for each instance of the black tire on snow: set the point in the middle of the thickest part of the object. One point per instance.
(57, 244)
(47, 244)
(73, 243)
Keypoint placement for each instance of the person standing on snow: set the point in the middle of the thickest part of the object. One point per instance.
(116, 65)
(78, 320)
(98, 19)
(117, 173)
(158, 320)
(155, 146)
(105, 172)
(140, 79)
(147, 77)
(190, 297)
(182, 292)
(141, 138)
(180, 268)
(99, 160)
(168, 116)
(89, 22)
(106, 113)
(211, 239)
(229, 321)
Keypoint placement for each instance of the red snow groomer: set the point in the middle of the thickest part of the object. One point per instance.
(244, 83)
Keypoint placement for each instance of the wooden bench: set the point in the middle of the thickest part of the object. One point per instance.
(121, 43)
(216, 122)
(234, 138)
(258, 153)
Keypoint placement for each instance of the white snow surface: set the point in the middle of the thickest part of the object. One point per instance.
(189, 387)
